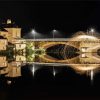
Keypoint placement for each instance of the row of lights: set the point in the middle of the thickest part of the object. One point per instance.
(91, 30)
(34, 32)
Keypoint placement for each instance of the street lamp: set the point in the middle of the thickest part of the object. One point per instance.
(53, 32)
(33, 32)
(91, 30)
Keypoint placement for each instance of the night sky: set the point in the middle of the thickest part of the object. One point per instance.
(68, 17)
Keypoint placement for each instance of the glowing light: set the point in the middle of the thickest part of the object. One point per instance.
(86, 37)
(33, 69)
(92, 30)
(83, 55)
(83, 49)
(84, 67)
(9, 82)
(54, 72)
(91, 75)
(54, 30)
(33, 31)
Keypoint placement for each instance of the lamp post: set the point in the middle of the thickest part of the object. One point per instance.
(33, 32)
(54, 31)
(92, 30)
(53, 34)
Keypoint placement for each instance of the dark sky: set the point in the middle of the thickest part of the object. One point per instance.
(66, 16)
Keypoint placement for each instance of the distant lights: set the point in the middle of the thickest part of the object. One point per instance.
(91, 73)
(9, 82)
(92, 30)
(86, 36)
(33, 31)
(54, 71)
(54, 30)
(33, 69)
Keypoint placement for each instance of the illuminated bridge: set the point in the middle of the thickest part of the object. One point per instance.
(81, 52)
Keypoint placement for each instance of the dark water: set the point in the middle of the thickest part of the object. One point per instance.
(44, 86)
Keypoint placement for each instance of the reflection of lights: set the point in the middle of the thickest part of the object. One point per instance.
(9, 82)
(33, 69)
(91, 73)
(54, 71)
(83, 68)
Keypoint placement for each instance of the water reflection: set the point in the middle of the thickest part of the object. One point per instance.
(81, 52)
(83, 59)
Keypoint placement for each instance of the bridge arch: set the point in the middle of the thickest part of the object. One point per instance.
(49, 44)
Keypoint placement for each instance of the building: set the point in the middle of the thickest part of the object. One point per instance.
(3, 61)
(11, 33)
(11, 30)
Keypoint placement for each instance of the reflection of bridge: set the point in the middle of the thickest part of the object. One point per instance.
(78, 53)
(47, 43)
(70, 43)
(87, 61)
(82, 46)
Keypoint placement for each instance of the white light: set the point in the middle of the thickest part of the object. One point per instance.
(33, 31)
(9, 82)
(91, 75)
(83, 49)
(83, 55)
(33, 70)
(54, 30)
(92, 30)
(54, 71)
(86, 37)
